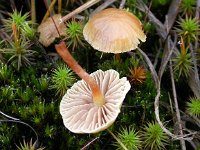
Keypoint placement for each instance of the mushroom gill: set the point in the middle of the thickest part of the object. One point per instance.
(79, 112)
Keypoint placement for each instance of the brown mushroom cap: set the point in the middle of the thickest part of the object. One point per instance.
(81, 115)
(114, 30)
(48, 31)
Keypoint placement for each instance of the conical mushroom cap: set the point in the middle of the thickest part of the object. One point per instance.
(114, 31)
(81, 115)
(48, 31)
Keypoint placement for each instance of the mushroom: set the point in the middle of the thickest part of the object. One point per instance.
(81, 115)
(47, 29)
(114, 30)
(48, 32)
(92, 104)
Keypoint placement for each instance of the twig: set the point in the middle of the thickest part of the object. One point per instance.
(166, 56)
(151, 67)
(48, 10)
(21, 122)
(190, 118)
(12, 4)
(80, 9)
(171, 106)
(33, 12)
(122, 4)
(122, 145)
(156, 102)
(49, 13)
(59, 6)
(172, 13)
(161, 30)
(15, 120)
(102, 6)
(159, 26)
(7, 116)
(156, 58)
(195, 76)
(178, 116)
(163, 33)
(173, 136)
(146, 13)
(89, 143)
(197, 9)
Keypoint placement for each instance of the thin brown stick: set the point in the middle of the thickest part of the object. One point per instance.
(161, 30)
(156, 102)
(178, 116)
(33, 12)
(71, 62)
(49, 10)
(151, 67)
(197, 14)
(102, 6)
(122, 4)
(89, 143)
(172, 13)
(59, 6)
(80, 9)
(194, 74)
(117, 139)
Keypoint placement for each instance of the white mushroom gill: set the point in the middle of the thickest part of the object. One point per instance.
(81, 115)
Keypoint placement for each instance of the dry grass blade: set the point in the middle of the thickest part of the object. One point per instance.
(172, 13)
(102, 6)
(178, 116)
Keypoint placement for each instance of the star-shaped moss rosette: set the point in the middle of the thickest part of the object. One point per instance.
(81, 115)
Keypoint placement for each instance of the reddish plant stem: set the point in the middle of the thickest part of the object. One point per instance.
(62, 50)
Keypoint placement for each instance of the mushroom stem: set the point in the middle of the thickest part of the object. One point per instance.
(117, 57)
(62, 50)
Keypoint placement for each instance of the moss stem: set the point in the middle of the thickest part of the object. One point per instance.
(62, 50)
(59, 6)
(118, 140)
(49, 11)
(33, 12)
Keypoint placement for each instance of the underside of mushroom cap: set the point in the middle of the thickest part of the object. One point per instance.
(114, 31)
(81, 115)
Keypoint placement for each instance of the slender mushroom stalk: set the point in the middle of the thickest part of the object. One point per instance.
(62, 50)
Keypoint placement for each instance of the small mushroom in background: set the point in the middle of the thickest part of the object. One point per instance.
(114, 31)
(47, 29)
(92, 104)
